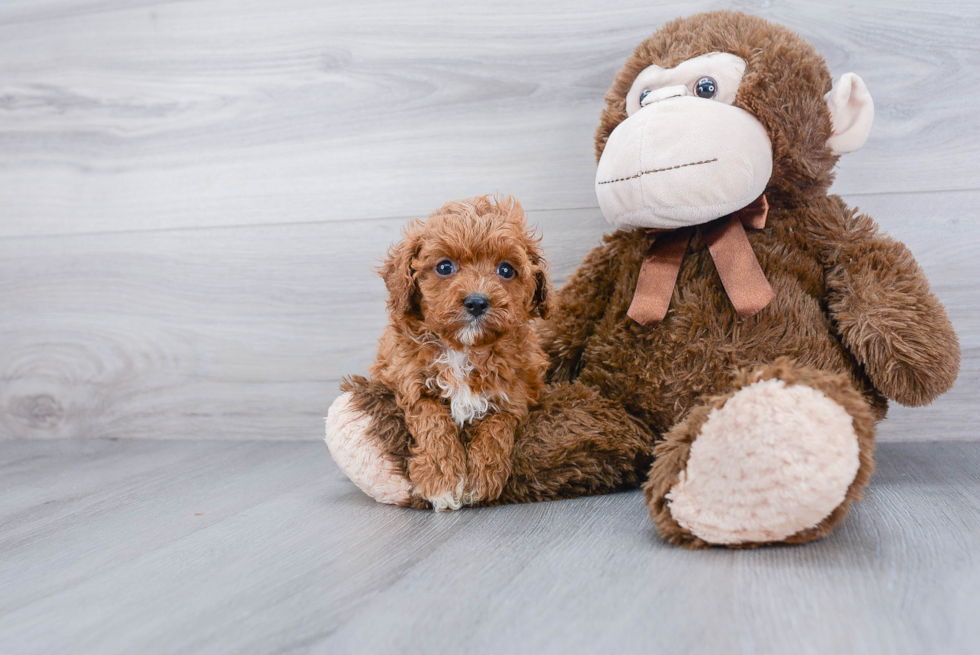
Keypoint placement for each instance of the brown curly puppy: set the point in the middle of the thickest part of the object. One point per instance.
(459, 349)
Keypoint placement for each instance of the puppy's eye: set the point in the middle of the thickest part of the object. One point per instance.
(506, 271)
(706, 87)
(445, 268)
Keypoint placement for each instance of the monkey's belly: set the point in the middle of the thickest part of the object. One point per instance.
(660, 373)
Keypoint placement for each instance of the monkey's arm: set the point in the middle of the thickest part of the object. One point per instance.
(886, 315)
(582, 301)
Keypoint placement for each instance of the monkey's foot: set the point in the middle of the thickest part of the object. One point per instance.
(778, 460)
(361, 457)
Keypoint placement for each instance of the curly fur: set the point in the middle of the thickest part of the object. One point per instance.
(447, 368)
(574, 443)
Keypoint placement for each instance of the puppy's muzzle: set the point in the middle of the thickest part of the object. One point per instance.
(476, 304)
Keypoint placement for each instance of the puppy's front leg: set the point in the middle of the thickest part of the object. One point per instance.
(437, 466)
(488, 460)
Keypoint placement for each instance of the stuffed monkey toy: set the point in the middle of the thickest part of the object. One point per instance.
(731, 346)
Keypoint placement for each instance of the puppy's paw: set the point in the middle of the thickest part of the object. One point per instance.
(439, 482)
(484, 481)
(451, 500)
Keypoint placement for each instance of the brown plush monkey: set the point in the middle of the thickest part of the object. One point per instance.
(742, 329)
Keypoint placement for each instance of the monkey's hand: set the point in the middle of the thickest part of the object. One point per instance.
(488, 459)
(887, 316)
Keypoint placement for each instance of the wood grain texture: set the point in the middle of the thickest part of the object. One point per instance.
(192, 195)
(212, 333)
(125, 116)
(209, 547)
(245, 332)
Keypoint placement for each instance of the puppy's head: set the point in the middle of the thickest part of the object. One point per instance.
(469, 273)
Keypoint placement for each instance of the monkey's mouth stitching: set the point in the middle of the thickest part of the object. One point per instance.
(659, 170)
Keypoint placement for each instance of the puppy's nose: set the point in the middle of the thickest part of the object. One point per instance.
(476, 304)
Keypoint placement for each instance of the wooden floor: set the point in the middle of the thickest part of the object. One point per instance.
(264, 547)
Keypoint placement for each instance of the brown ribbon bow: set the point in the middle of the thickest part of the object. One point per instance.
(731, 251)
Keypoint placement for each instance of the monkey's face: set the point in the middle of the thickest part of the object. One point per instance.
(685, 155)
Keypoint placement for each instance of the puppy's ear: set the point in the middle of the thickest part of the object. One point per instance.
(399, 276)
(543, 304)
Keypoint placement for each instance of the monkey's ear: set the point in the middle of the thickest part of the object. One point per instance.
(851, 111)
(399, 276)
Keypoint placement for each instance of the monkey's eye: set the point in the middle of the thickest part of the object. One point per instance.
(445, 268)
(643, 96)
(505, 270)
(706, 87)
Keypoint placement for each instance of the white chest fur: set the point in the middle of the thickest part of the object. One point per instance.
(453, 370)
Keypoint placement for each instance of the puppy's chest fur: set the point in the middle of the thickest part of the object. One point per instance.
(471, 394)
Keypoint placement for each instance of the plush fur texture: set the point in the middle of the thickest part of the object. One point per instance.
(853, 317)
(674, 453)
(774, 460)
(349, 437)
(449, 367)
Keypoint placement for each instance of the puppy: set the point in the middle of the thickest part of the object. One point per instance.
(459, 351)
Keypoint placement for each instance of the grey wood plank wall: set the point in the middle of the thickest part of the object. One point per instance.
(193, 195)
